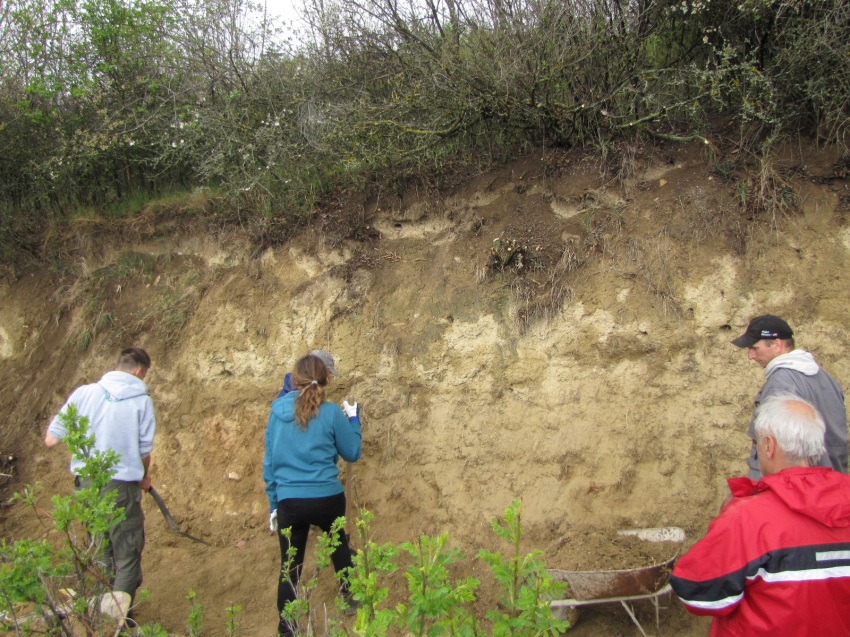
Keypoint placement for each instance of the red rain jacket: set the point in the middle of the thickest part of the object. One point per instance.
(776, 561)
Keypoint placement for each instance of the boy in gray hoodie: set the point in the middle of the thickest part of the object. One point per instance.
(121, 418)
(769, 341)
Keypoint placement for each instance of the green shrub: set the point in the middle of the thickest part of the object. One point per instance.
(437, 604)
(62, 581)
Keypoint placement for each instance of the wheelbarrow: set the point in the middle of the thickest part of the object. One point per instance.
(586, 588)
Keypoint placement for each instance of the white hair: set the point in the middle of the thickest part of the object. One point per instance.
(800, 435)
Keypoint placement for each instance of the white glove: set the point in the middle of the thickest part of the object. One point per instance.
(350, 411)
(273, 522)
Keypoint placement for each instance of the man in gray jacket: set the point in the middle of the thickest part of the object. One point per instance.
(121, 418)
(770, 342)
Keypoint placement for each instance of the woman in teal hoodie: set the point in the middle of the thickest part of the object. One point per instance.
(305, 437)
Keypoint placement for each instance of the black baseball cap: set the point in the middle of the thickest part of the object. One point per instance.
(761, 327)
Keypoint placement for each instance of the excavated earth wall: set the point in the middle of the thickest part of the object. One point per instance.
(596, 382)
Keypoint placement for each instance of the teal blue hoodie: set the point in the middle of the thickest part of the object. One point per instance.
(302, 464)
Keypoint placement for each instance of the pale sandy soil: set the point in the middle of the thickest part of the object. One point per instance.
(620, 404)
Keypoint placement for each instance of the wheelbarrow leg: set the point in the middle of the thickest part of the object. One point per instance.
(634, 619)
(657, 618)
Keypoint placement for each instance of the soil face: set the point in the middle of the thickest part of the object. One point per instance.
(545, 332)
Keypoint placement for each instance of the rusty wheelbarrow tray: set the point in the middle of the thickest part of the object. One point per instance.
(610, 587)
(585, 588)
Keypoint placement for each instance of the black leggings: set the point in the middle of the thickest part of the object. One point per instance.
(298, 514)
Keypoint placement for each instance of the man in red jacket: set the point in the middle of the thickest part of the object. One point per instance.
(776, 561)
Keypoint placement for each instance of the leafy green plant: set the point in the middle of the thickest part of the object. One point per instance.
(65, 583)
(196, 616)
(23, 576)
(526, 585)
(370, 562)
(436, 606)
(436, 603)
(153, 631)
(297, 612)
(231, 625)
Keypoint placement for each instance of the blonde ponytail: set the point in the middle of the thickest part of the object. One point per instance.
(310, 376)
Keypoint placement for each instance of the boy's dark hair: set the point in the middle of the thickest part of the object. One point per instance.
(131, 358)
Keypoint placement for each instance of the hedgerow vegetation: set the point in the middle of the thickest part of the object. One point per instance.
(105, 103)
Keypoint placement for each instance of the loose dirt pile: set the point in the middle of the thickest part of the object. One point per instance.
(544, 333)
(600, 550)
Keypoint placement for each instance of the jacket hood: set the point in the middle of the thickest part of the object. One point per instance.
(799, 360)
(816, 492)
(284, 407)
(287, 386)
(121, 386)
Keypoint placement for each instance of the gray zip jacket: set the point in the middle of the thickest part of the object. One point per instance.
(121, 417)
(797, 373)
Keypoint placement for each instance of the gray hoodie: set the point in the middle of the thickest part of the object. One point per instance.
(121, 417)
(797, 373)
